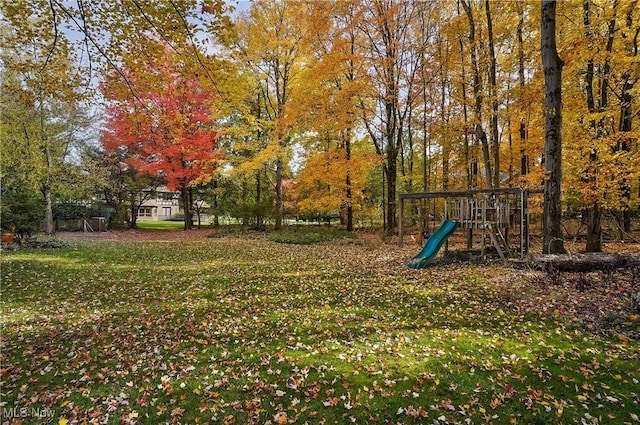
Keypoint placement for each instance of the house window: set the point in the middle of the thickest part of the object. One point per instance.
(145, 211)
(166, 211)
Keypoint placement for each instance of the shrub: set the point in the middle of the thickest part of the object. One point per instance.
(22, 212)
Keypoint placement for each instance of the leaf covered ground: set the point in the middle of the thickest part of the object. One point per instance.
(155, 327)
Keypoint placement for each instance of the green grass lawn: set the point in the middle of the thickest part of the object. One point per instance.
(237, 330)
(159, 225)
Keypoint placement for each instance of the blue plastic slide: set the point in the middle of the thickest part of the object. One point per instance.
(433, 244)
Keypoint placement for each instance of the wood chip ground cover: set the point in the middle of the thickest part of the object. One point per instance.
(180, 328)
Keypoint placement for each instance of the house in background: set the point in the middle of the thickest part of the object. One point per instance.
(164, 204)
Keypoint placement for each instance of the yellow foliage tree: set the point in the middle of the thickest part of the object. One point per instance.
(321, 187)
(333, 84)
(603, 64)
(272, 43)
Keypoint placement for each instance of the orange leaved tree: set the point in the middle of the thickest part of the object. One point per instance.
(160, 122)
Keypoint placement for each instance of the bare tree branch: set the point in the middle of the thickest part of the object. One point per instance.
(55, 36)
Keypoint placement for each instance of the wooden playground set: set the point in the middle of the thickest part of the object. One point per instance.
(500, 215)
(499, 219)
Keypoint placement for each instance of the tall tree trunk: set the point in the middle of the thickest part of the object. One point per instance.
(216, 214)
(626, 97)
(480, 134)
(626, 116)
(594, 228)
(523, 130)
(349, 224)
(467, 148)
(49, 228)
(351, 77)
(426, 169)
(599, 127)
(187, 205)
(593, 212)
(348, 194)
(244, 193)
(259, 217)
(426, 149)
(510, 140)
(384, 197)
(626, 120)
(495, 136)
(411, 158)
(279, 201)
(45, 186)
(426, 138)
(133, 213)
(444, 142)
(468, 153)
(391, 151)
(552, 239)
(465, 112)
(392, 172)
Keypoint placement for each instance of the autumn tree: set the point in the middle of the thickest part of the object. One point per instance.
(321, 187)
(393, 74)
(162, 121)
(627, 80)
(522, 115)
(327, 111)
(104, 28)
(460, 96)
(601, 162)
(425, 31)
(270, 44)
(478, 91)
(42, 94)
(247, 157)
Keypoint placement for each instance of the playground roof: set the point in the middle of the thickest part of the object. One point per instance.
(470, 192)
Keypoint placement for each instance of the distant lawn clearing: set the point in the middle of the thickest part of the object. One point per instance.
(237, 330)
(160, 225)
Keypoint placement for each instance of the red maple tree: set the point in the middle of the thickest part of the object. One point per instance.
(160, 122)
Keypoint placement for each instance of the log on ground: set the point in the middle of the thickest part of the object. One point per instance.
(585, 262)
